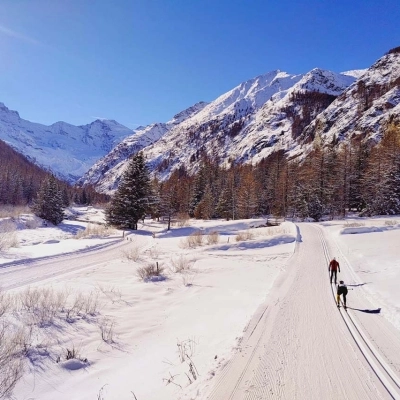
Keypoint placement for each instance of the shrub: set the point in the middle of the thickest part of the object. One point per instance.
(188, 277)
(213, 237)
(390, 223)
(13, 343)
(354, 224)
(133, 253)
(182, 219)
(180, 263)
(150, 270)
(107, 330)
(195, 239)
(94, 230)
(8, 234)
(5, 303)
(242, 236)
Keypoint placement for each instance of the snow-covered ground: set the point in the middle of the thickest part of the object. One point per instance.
(167, 338)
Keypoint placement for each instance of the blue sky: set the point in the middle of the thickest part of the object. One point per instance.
(142, 61)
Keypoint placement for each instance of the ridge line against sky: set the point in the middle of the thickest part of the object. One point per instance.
(143, 61)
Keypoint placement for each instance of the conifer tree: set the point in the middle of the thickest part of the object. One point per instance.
(49, 202)
(132, 198)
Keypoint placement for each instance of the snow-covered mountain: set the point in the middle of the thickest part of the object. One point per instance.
(67, 150)
(364, 109)
(243, 125)
(272, 112)
(275, 111)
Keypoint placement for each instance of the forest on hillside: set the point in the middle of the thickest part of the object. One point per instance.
(332, 180)
(21, 180)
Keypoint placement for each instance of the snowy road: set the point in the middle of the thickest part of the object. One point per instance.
(300, 346)
(27, 272)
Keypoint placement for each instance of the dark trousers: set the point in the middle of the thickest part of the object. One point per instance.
(334, 274)
(344, 299)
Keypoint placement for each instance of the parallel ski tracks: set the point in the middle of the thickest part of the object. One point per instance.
(379, 366)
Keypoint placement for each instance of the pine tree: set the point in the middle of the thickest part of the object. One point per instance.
(49, 202)
(132, 198)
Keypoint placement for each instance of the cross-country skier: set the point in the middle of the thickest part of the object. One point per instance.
(334, 267)
(341, 290)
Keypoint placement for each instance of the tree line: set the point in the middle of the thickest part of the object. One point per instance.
(329, 182)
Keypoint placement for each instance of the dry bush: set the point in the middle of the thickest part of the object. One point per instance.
(33, 223)
(133, 253)
(107, 330)
(180, 263)
(94, 230)
(111, 293)
(91, 304)
(195, 239)
(8, 234)
(213, 237)
(5, 303)
(13, 344)
(390, 223)
(188, 277)
(75, 307)
(147, 272)
(246, 235)
(182, 219)
(154, 252)
(354, 224)
(43, 304)
(9, 211)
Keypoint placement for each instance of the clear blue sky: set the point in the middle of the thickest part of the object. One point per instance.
(142, 61)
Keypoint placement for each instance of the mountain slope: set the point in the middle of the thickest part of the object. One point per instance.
(68, 150)
(364, 109)
(243, 125)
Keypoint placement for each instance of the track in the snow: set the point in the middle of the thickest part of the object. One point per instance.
(379, 366)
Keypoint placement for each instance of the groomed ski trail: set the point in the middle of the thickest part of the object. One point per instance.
(297, 345)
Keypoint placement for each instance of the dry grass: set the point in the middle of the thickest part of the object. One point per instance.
(107, 326)
(390, 223)
(133, 253)
(8, 234)
(182, 219)
(213, 237)
(243, 236)
(354, 224)
(95, 230)
(13, 344)
(180, 263)
(195, 239)
(8, 211)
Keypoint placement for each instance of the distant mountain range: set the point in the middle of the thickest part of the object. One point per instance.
(275, 111)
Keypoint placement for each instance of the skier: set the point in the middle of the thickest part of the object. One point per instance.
(334, 267)
(341, 290)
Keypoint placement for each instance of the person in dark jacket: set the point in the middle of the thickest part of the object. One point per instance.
(341, 290)
(334, 267)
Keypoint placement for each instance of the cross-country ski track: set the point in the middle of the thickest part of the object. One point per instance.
(299, 345)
